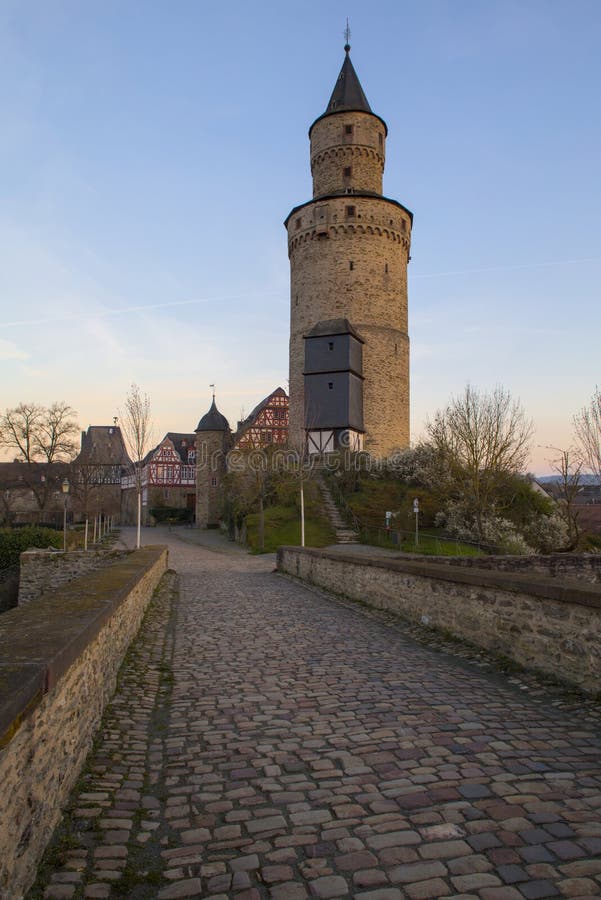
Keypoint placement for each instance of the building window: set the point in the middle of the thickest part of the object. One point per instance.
(351, 265)
(348, 171)
(386, 268)
(299, 222)
(381, 140)
(213, 482)
(330, 345)
(269, 437)
(348, 129)
(330, 385)
(350, 212)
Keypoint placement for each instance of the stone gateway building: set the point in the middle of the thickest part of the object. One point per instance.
(349, 249)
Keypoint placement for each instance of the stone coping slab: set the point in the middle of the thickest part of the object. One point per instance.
(534, 584)
(39, 642)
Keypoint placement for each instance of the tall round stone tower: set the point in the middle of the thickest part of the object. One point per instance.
(349, 249)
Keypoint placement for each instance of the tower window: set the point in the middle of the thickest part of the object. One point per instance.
(348, 171)
(350, 212)
(330, 385)
(299, 223)
(351, 265)
(213, 482)
(386, 268)
(348, 129)
(330, 345)
(381, 140)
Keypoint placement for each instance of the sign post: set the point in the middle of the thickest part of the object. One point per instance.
(416, 511)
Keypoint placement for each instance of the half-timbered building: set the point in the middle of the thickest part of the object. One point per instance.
(266, 425)
(168, 478)
(173, 477)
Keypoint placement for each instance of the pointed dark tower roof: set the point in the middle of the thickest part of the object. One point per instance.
(213, 420)
(348, 95)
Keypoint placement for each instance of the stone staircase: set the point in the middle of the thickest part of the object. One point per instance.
(344, 533)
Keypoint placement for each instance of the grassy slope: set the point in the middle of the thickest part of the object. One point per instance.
(282, 524)
(377, 495)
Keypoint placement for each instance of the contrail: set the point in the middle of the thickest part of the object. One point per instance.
(561, 262)
(102, 313)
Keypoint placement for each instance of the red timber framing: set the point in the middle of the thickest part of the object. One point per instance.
(267, 424)
(166, 469)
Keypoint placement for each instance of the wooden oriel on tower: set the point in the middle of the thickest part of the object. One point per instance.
(333, 378)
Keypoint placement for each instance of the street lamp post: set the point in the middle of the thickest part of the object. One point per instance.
(65, 489)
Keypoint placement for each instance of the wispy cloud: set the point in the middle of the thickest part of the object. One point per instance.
(124, 310)
(8, 350)
(540, 265)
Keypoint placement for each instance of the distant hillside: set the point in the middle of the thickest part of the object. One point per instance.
(584, 479)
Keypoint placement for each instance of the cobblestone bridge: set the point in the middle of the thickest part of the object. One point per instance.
(269, 741)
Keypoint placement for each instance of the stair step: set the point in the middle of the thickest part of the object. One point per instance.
(344, 534)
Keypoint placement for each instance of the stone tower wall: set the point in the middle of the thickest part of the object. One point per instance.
(211, 449)
(355, 266)
(333, 149)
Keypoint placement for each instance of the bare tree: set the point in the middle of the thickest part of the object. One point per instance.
(136, 426)
(568, 465)
(39, 435)
(56, 438)
(587, 424)
(479, 440)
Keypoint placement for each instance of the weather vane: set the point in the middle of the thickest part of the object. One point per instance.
(212, 386)
(347, 37)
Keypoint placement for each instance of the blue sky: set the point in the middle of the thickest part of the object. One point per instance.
(150, 152)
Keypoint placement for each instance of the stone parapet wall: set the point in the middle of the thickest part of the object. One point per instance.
(45, 570)
(59, 659)
(581, 566)
(549, 624)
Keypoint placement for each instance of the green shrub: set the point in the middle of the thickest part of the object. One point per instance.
(13, 541)
(170, 513)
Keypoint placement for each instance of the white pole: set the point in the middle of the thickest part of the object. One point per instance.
(85, 536)
(139, 519)
(302, 499)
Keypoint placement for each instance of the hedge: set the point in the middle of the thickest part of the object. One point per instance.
(174, 513)
(13, 541)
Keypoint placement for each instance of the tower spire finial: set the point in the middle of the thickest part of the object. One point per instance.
(212, 386)
(347, 37)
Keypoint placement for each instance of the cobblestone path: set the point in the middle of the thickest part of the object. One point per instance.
(267, 741)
